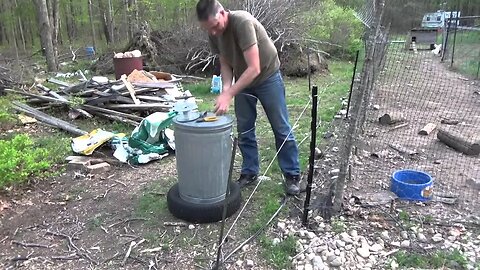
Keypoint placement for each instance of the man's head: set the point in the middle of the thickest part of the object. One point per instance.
(212, 17)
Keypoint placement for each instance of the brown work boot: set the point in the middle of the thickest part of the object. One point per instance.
(246, 179)
(292, 184)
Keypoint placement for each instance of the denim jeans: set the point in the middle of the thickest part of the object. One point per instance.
(271, 94)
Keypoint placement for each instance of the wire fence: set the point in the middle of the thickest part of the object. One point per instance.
(411, 119)
(462, 50)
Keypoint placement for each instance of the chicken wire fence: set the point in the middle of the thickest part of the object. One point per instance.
(462, 46)
(408, 111)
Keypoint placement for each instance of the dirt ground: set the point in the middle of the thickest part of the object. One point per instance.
(425, 91)
(81, 221)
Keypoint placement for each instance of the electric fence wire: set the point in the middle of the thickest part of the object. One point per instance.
(285, 199)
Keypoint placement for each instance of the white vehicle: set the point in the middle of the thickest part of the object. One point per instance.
(439, 19)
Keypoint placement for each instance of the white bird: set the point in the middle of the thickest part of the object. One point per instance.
(437, 49)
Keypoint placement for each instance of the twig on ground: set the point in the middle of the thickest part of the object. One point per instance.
(79, 252)
(180, 224)
(29, 244)
(121, 183)
(127, 254)
(3, 240)
(72, 256)
(103, 229)
(125, 221)
(111, 258)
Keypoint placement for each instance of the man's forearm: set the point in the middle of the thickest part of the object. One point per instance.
(245, 80)
(227, 76)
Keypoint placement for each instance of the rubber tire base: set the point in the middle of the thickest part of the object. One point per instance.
(203, 213)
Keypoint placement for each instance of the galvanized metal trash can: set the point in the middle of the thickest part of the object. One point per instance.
(203, 155)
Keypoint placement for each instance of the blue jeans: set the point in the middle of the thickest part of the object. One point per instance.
(271, 94)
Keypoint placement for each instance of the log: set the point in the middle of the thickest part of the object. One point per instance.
(391, 118)
(54, 94)
(112, 112)
(456, 140)
(117, 118)
(427, 129)
(43, 117)
(144, 106)
(155, 84)
(450, 121)
(58, 82)
(130, 88)
(398, 126)
(402, 149)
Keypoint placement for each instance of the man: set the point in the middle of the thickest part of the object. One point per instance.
(248, 56)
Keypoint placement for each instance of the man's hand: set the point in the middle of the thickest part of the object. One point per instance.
(223, 103)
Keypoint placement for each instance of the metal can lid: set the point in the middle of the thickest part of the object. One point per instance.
(222, 121)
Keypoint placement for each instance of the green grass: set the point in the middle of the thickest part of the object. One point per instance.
(152, 203)
(439, 259)
(277, 255)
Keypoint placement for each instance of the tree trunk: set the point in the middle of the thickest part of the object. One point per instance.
(73, 30)
(20, 28)
(46, 34)
(55, 25)
(90, 14)
(110, 19)
(106, 21)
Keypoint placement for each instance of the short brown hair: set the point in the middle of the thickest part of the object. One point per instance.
(207, 8)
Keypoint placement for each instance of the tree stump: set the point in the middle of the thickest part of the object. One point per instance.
(391, 118)
(458, 141)
(427, 129)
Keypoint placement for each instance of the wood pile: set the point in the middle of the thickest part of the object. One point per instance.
(128, 100)
(6, 81)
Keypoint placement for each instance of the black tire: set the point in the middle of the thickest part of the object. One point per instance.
(203, 213)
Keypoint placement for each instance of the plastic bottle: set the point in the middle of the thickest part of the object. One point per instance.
(216, 84)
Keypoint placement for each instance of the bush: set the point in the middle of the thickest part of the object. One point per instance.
(21, 158)
(6, 114)
(337, 25)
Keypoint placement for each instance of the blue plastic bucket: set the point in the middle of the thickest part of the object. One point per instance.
(412, 185)
(90, 51)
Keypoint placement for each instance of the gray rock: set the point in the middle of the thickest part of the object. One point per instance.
(308, 267)
(336, 263)
(249, 263)
(275, 241)
(311, 235)
(300, 267)
(318, 263)
(337, 252)
(340, 244)
(395, 244)
(405, 243)
(334, 172)
(281, 225)
(404, 235)
(437, 238)
(348, 247)
(331, 256)
(363, 252)
(310, 256)
(376, 248)
(422, 238)
(354, 234)
(345, 237)
(385, 236)
(319, 249)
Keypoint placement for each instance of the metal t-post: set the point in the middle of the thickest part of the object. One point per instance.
(311, 159)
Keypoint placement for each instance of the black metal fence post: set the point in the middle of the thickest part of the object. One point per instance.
(351, 84)
(311, 159)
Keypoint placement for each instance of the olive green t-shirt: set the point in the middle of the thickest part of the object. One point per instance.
(243, 31)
